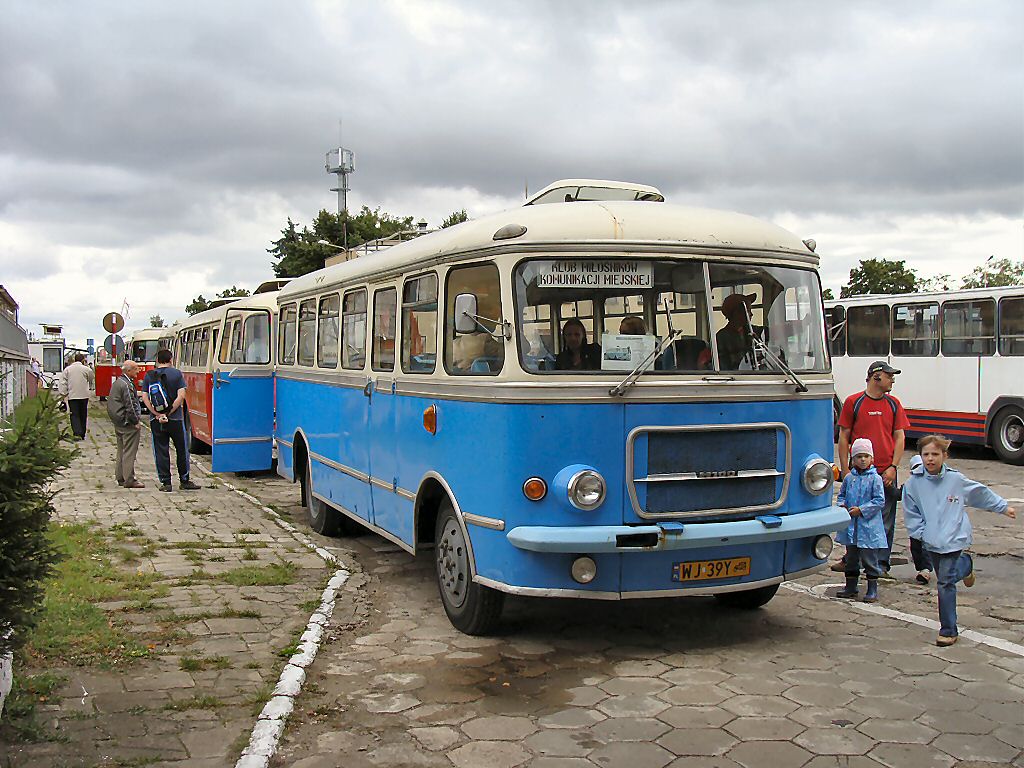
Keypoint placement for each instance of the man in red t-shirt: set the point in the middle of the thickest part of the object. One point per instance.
(878, 416)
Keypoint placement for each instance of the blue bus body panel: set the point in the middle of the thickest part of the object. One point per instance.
(243, 420)
(388, 448)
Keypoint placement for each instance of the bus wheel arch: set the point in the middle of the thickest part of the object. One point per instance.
(472, 608)
(748, 599)
(431, 495)
(1006, 429)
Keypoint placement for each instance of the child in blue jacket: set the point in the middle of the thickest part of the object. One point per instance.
(863, 495)
(934, 498)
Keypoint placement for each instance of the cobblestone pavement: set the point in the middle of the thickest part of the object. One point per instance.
(162, 711)
(807, 680)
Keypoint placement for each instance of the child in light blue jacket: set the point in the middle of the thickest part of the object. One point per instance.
(934, 501)
(863, 495)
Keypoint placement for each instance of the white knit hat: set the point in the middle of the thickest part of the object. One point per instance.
(862, 445)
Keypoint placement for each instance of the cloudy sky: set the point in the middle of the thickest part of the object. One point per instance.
(151, 151)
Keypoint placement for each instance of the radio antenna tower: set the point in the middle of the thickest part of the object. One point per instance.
(340, 162)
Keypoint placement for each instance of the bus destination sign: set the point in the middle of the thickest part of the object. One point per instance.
(594, 273)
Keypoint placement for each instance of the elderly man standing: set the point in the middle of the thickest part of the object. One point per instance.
(76, 383)
(126, 415)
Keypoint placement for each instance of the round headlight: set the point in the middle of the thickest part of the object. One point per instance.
(586, 490)
(823, 547)
(817, 476)
(584, 570)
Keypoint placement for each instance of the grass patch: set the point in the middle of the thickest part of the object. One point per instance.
(203, 663)
(243, 531)
(195, 702)
(275, 574)
(72, 630)
(19, 723)
(250, 554)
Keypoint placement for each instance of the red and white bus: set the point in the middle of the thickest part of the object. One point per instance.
(228, 348)
(960, 353)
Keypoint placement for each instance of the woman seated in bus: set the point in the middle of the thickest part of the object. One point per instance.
(576, 354)
(632, 325)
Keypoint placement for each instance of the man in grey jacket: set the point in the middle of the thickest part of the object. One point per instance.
(126, 414)
(76, 383)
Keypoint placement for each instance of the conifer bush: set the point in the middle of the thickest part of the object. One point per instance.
(31, 454)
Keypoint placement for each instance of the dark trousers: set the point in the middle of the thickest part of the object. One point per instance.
(856, 557)
(922, 562)
(163, 435)
(889, 521)
(79, 412)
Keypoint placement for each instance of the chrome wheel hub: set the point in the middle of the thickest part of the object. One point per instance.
(453, 564)
(1013, 433)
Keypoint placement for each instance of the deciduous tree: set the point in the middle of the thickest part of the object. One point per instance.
(879, 276)
(995, 273)
(455, 217)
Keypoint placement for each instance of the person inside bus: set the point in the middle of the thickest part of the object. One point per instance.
(258, 349)
(632, 325)
(477, 347)
(576, 354)
(734, 343)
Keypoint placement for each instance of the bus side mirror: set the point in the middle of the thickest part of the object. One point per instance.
(465, 313)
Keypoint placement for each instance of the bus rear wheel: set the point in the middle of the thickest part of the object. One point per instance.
(472, 608)
(1008, 434)
(748, 599)
(322, 517)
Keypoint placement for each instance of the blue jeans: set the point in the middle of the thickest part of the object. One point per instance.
(950, 567)
(863, 556)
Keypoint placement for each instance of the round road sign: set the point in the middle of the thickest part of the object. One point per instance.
(113, 322)
(114, 344)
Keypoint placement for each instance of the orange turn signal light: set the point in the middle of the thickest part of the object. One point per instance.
(430, 419)
(535, 489)
(835, 473)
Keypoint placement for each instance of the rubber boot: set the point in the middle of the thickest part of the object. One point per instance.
(871, 596)
(851, 588)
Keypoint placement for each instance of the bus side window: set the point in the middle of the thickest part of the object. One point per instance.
(385, 326)
(225, 342)
(475, 353)
(286, 330)
(353, 331)
(327, 331)
(1011, 326)
(867, 331)
(836, 319)
(968, 328)
(204, 347)
(255, 341)
(307, 331)
(915, 330)
(419, 324)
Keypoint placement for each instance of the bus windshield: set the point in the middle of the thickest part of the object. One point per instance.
(145, 351)
(607, 315)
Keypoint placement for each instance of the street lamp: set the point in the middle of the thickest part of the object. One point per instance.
(330, 245)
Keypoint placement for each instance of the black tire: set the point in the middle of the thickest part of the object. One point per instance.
(472, 608)
(1008, 434)
(748, 599)
(198, 447)
(323, 518)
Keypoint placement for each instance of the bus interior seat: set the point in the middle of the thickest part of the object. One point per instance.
(485, 365)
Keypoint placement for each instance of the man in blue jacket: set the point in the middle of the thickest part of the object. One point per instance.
(168, 424)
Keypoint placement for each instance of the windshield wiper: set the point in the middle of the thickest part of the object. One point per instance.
(778, 362)
(645, 364)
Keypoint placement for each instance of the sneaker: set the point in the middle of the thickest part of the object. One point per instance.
(188, 485)
(944, 642)
(923, 577)
(969, 580)
(166, 488)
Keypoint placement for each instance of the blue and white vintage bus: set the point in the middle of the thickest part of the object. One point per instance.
(554, 400)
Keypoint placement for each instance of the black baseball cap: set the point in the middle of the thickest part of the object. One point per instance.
(883, 367)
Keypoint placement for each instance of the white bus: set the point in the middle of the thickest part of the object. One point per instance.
(961, 354)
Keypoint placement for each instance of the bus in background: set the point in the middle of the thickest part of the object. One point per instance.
(224, 354)
(142, 348)
(50, 350)
(553, 399)
(960, 353)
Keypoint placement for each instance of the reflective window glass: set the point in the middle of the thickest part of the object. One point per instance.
(915, 330)
(867, 331)
(968, 328)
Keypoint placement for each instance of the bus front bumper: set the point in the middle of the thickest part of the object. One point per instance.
(674, 535)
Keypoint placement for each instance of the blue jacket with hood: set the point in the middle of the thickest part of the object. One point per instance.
(934, 507)
(865, 490)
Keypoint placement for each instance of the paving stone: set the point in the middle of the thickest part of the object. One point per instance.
(769, 754)
(436, 737)
(763, 728)
(698, 741)
(632, 706)
(493, 754)
(499, 728)
(633, 755)
(694, 695)
(561, 762)
(974, 747)
(898, 731)
(696, 717)
(834, 741)
(560, 743)
(574, 717)
(892, 709)
(629, 729)
(759, 706)
(819, 695)
(911, 756)
(633, 686)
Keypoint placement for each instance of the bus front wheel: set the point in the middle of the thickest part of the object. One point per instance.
(472, 608)
(748, 599)
(1008, 434)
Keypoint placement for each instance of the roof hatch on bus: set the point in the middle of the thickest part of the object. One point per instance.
(579, 190)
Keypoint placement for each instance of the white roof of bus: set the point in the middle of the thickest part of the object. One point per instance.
(964, 293)
(152, 334)
(615, 190)
(607, 223)
(260, 301)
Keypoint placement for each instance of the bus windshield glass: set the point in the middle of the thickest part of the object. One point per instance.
(606, 315)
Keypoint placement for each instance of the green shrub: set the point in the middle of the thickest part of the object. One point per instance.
(31, 455)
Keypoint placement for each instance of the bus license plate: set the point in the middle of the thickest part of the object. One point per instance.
(699, 570)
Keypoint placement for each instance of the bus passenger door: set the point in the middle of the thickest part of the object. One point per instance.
(243, 394)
